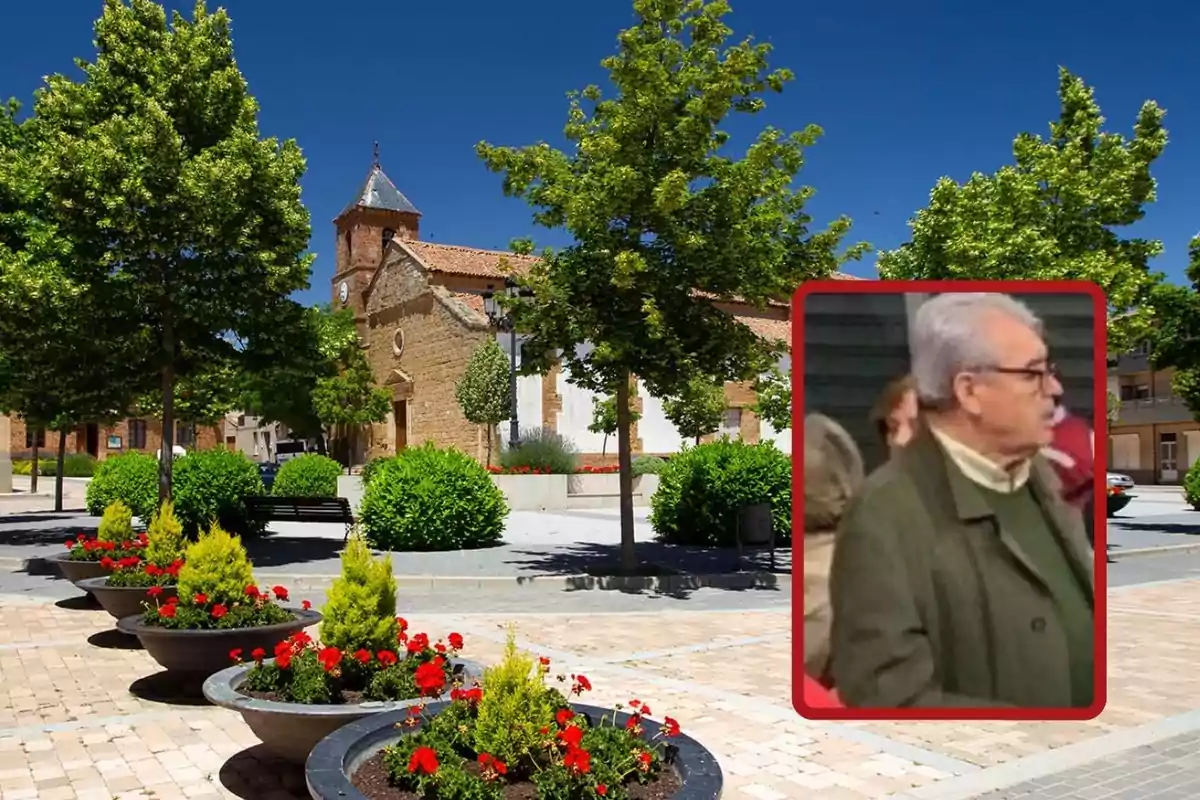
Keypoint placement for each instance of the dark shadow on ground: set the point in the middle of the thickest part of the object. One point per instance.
(82, 602)
(40, 537)
(255, 773)
(113, 639)
(668, 570)
(1180, 529)
(33, 516)
(170, 689)
(276, 550)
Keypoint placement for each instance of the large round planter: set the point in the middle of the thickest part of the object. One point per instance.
(122, 601)
(292, 730)
(76, 571)
(199, 654)
(337, 757)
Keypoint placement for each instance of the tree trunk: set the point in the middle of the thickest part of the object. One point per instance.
(604, 446)
(33, 468)
(58, 479)
(629, 560)
(697, 441)
(166, 460)
(491, 434)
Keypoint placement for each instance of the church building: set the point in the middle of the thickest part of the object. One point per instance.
(420, 313)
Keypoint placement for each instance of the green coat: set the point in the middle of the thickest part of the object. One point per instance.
(934, 605)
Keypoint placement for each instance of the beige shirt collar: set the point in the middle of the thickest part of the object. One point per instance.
(980, 469)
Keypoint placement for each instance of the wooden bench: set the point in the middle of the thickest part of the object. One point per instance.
(300, 509)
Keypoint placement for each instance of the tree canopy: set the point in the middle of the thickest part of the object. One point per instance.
(667, 222)
(1055, 214)
(181, 216)
(484, 391)
(698, 409)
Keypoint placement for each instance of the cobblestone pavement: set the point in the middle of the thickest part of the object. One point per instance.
(82, 716)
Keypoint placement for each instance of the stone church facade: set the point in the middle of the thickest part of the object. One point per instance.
(419, 310)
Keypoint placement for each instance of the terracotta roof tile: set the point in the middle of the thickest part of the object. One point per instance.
(468, 261)
(471, 301)
(774, 330)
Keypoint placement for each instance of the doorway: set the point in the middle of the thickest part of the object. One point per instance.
(400, 415)
(92, 432)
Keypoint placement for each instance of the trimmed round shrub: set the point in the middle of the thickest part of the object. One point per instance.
(543, 449)
(208, 487)
(648, 465)
(432, 499)
(702, 490)
(309, 475)
(1191, 486)
(131, 478)
(370, 468)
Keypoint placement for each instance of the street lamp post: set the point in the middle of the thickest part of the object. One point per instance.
(503, 321)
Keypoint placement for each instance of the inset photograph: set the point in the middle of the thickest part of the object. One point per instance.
(949, 505)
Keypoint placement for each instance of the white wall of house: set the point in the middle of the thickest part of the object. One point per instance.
(657, 433)
(529, 393)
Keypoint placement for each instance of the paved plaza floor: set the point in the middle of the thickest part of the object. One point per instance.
(84, 716)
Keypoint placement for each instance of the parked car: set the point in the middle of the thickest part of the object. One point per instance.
(1124, 482)
(1118, 498)
(267, 471)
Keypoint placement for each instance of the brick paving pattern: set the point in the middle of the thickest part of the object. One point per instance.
(1167, 770)
(82, 716)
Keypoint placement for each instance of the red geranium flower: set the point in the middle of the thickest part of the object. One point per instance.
(305, 605)
(418, 643)
(564, 716)
(235, 654)
(252, 591)
(154, 591)
(571, 736)
(577, 760)
(670, 727)
(219, 611)
(386, 657)
(430, 678)
(281, 593)
(200, 599)
(329, 658)
(455, 640)
(601, 789)
(424, 759)
(258, 654)
(363, 656)
(581, 684)
(167, 611)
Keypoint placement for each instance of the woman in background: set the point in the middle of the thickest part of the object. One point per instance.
(833, 473)
(896, 414)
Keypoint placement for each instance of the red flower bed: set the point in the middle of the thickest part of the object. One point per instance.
(89, 548)
(254, 609)
(495, 470)
(306, 672)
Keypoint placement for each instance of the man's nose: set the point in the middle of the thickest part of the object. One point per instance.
(1054, 387)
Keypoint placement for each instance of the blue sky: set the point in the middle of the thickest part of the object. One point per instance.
(906, 93)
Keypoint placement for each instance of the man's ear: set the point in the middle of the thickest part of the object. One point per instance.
(966, 393)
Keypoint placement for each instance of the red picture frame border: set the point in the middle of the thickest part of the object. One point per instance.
(1100, 430)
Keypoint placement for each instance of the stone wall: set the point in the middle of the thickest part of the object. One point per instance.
(419, 339)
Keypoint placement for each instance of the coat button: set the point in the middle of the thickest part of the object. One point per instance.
(1037, 624)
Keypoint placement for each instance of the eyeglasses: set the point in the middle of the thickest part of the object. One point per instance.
(1039, 375)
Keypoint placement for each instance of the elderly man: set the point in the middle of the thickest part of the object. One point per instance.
(960, 578)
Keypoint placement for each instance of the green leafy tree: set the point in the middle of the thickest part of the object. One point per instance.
(1055, 214)
(1113, 408)
(67, 360)
(180, 214)
(667, 222)
(1175, 337)
(484, 392)
(773, 399)
(604, 418)
(698, 409)
(349, 401)
(282, 365)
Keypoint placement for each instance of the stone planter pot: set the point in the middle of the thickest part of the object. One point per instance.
(76, 571)
(292, 730)
(338, 756)
(198, 654)
(121, 601)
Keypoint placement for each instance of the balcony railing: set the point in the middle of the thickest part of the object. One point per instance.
(1169, 408)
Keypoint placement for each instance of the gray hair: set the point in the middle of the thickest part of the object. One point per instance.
(947, 338)
(833, 472)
